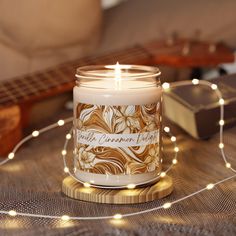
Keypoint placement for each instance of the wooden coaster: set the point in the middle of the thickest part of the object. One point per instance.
(76, 190)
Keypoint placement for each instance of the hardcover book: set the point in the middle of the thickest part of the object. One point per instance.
(196, 109)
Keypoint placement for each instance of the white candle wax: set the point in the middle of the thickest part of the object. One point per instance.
(109, 93)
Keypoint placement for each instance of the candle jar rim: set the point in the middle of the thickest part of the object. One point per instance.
(129, 72)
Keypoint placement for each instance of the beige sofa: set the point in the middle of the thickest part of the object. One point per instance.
(39, 34)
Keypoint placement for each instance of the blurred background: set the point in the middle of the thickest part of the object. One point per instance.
(35, 35)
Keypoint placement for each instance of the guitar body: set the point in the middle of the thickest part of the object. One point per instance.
(10, 128)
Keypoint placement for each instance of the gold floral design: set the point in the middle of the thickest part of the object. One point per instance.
(149, 164)
(128, 119)
(86, 158)
(152, 158)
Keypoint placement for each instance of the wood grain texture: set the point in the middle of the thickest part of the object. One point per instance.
(76, 190)
(10, 128)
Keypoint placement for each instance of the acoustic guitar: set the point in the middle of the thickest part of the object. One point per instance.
(19, 94)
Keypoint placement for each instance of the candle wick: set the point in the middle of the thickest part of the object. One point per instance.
(117, 76)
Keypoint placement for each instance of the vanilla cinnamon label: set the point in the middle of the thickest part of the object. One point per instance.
(117, 139)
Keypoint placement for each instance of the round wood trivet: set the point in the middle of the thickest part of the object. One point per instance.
(76, 190)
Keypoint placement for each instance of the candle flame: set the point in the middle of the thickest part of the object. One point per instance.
(117, 76)
(117, 71)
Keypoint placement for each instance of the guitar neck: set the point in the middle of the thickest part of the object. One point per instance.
(60, 79)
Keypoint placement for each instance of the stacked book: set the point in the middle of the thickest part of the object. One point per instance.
(196, 109)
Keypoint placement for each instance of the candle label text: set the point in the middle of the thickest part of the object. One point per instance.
(117, 139)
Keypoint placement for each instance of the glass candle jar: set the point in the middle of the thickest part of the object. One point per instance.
(117, 124)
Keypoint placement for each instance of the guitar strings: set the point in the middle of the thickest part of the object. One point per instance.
(141, 51)
(13, 95)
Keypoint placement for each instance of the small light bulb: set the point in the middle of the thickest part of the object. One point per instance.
(117, 216)
(221, 122)
(66, 169)
(12, 213)
(35, 133)
(167, 129)
(228, 165)
(165, 86)
(166, 205)
(65, 217)
(68, 136)
(131, 186)
(176, 149)
(195, 81)
(174, 161)
(163, 174)
(221, 101)
(173, 138)
(210, 186)
(61, 122)
(221, 145)
(63, 152)
(87, 185)
(214, 86)
(11, 155)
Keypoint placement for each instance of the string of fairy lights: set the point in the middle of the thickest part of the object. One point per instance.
(118, 216)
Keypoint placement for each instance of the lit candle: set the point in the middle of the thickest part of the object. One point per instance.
(117, 110)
